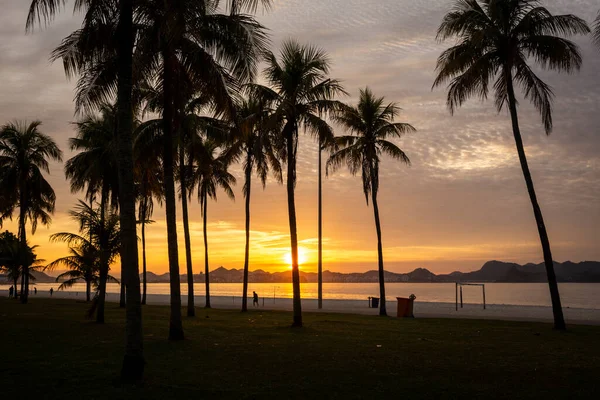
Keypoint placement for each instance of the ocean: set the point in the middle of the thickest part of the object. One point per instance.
(573, 295)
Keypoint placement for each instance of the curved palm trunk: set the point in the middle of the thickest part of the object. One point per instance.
(144, 284)
(133, 360)
(247, 250)
(175, 324)
(559, 321)
(320, 262)
(88, 290)
(191, 310)
(206, 272)
(382, 306)
(291, 175)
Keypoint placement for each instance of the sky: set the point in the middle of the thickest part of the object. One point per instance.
(462, 202)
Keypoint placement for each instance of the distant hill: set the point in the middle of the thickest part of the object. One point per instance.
(491, 271)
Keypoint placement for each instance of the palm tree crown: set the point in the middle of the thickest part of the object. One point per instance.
(496, 38)
(597, 30)
(371, 123)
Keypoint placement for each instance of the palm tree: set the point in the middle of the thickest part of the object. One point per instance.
(300, 92)
(256, 145)
(133, 360)
(94, 169)
(372, 124)
(24, 154)
(210, 173)
(180, 39)
(13, 257)
(83, 265)
(496, 39)
(148, 177)
(100, 237)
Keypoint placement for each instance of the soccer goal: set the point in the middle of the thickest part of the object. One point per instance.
(459, 287)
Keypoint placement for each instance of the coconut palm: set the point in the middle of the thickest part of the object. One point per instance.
(496, 39)
(24, 153)
(300, 91)
(371, 123)
(13, 257)
(177, 42)
(210, 173)
(148, 178)
(255, 145)
(90, 63)
(94, 170)
(83, 265)
(99, 228)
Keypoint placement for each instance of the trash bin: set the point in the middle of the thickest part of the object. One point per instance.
(405, 306)
(374, 302)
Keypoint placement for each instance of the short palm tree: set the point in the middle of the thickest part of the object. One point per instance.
(13, 257)
(94, 170)
(371, 123)
(82, 264)
(300, 92)
(24, 153)
(255, 145)
(210, 173)
(100, 235)
(496, 39)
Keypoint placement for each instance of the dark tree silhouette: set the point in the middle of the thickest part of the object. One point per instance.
(24, 153)
(372, 124)
(496, 38)
(300, 91)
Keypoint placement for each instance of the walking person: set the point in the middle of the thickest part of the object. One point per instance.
(34, 290)
(254, 299)
(51, 291)
(10, 292)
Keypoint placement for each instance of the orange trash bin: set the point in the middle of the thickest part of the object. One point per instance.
(405, 306)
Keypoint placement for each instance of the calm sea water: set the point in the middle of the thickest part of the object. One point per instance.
(575, 295)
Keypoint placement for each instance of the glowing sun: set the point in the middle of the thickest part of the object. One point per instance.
(287, 258)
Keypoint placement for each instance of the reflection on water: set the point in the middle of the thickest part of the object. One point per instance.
(576, 295)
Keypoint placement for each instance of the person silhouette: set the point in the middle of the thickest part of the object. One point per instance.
(34, 290)
(51, 291)
(10, 292)
(254, 299)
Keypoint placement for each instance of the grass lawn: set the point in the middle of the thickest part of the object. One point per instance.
(50, 351)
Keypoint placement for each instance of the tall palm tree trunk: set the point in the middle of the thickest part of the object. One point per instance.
(88, 290)
(382, 306)
(247, 250)
(206, 272)
(122, 300)
(175, 324)
(103, 260)
(559, 321)
(23, 244)
(133, 360)
(144, 281)
(191, 310)
(320, 262)
(291, 177)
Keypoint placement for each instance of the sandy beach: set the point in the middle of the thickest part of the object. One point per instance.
(421, 309)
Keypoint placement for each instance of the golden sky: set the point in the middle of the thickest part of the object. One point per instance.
(462, 202)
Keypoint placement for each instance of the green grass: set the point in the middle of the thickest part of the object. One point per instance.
(50, 351)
